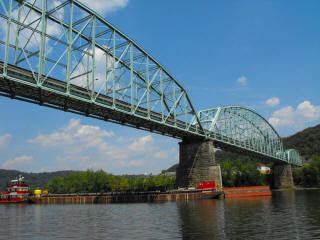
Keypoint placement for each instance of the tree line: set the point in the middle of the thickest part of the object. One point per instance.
(309, 174)
(100, 181)
(235, 173)
(240, 173)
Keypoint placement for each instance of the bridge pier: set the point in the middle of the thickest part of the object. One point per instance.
(197, 163)
(282, 176)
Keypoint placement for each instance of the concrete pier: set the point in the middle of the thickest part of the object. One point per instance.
(197, 164)
(282, 176)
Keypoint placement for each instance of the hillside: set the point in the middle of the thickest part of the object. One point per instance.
(307, 142)
(34, 179)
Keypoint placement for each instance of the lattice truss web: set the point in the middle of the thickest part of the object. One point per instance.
(66, 41)
(243, 127)
(72, 51)
(293, 156)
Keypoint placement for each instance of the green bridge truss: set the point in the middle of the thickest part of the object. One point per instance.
(61, 54)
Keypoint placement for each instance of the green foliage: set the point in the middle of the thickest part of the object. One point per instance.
(239, 173)
(307, 142)
(309, 174)
(34, 180)
(100, 181)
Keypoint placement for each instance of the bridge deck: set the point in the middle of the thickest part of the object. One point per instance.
(20, 84)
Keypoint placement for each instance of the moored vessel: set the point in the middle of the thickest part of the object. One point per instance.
(17, 191)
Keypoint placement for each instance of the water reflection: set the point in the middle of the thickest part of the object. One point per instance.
(286, 215)
(202, 219)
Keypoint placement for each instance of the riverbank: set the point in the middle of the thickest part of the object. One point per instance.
(134, 197)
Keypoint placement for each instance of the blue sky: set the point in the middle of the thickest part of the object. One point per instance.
(260, 54)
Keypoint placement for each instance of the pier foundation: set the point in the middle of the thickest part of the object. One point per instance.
(197, 164)
(282, 176)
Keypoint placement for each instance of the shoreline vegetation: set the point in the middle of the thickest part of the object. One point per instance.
(236, 170)
(241, 172)
(100, 181)
(235, 173)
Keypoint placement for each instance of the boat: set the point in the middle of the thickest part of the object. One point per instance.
(17, 191)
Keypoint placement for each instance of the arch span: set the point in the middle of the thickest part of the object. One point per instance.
(245, 128)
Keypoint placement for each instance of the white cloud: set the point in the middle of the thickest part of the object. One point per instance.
(17, 162)
(283, 117)
(74, 132)
(141, 143)
(242, 81)
(271, 102)
(79, 146)
(104, 63)
(26, 36)
(296, 118)
(104, 7)
(160, 155)
(308, 111)
(130, 163)
(4, 139)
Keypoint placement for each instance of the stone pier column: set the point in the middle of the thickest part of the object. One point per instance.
(282, 176)
(197, 164)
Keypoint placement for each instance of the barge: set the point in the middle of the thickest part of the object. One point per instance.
(17, 191)
(205, 190)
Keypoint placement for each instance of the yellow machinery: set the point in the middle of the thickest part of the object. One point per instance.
(40, 192)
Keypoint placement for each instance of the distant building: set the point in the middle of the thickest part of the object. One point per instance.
(264, 169)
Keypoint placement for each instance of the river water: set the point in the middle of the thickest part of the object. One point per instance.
(286, 215)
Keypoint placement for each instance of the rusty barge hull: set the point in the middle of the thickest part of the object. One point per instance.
(124, 198)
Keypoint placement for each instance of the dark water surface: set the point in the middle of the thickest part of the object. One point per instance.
(287, 215)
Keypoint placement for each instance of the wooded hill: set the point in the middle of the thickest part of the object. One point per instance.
(34, 179)
(307, 142)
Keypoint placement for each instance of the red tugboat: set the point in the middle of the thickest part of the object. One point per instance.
(17, 191)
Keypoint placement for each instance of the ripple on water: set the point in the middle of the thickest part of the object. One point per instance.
(287, 215)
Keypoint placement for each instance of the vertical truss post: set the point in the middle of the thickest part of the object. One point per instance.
(16, 45)
(42, 42)
(93, 32)
(6, 51)
(272, 146)
(161, 95)
(136, 90)
(87, 70)
(131, 78)
(69, 53)
(148, 87)
(113, 69)
(175, 106)
(281, 149)
(107, 73)
(256, 144)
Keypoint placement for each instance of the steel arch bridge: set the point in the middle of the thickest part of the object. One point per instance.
(61, 54)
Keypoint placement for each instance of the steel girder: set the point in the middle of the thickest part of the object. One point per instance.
(67, 41)
(61, 54)
(244, 127)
